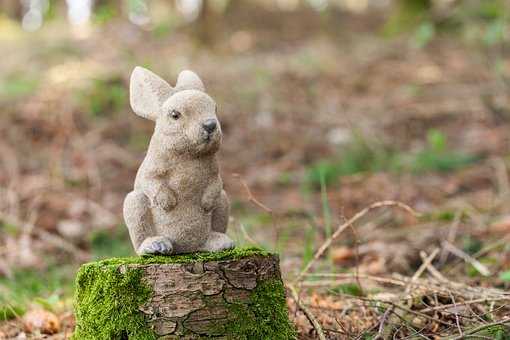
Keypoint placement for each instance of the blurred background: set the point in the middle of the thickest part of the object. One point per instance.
(326, 106)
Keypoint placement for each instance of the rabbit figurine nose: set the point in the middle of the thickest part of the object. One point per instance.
(209, 125)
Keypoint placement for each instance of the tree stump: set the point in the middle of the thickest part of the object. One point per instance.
(234, 294)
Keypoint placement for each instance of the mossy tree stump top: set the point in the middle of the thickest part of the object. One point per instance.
(234, 294)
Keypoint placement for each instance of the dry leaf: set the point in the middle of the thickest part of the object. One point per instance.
(329, 302)
(501, 226)
(314, 299)
(374, 266)
(42, 321)
(341, 254)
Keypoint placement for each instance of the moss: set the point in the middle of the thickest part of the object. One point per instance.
(266, 315)
(497, 332)
(100, 313)
(107, 301)
(232, 254)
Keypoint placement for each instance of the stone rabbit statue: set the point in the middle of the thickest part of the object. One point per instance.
(178, 204)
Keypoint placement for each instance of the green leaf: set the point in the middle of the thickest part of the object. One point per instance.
(505, 276)
(16, 86)
(104, 13)
(436, 140)
(424, 34)
(349, 289)
(495, 32)
(8, 312)
(48, 303)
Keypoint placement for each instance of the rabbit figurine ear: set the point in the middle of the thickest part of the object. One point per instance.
(147, 92)
(188, 80)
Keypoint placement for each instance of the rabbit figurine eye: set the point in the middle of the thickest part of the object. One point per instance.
(175, 114)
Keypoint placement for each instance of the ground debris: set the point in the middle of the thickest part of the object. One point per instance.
(42, 321)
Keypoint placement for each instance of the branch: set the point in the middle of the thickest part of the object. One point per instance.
(482, 269)
(309, 315)
(481, 328)
(346, 225)
(252, 198)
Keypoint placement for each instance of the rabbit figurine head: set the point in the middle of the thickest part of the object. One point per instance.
(185, 115)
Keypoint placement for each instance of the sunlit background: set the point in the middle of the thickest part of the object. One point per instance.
(326, 107)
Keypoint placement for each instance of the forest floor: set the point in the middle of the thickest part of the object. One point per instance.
(320, 120)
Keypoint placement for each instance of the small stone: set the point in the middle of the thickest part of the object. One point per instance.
(42, 321)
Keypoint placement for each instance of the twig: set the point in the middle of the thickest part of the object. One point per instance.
(465, 303)
(246, 235)
(432, 270)
(364, 332)
(492, 246)
(452, 234)
(408, 325)
(480, 328)
(53, 239)
(420, 270)
(349, 276)
(340, 278)
(309, 315)
(346, 225)
(252, 198)
(356, 242)
(61, 243)
(467, 292)
(466, 257)
(380, 332)
(499, 243)
(396, 305)
(342, 326)
(457, 321)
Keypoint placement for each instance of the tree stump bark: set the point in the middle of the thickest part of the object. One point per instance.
(235, 294)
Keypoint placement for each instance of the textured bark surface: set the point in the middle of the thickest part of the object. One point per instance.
(193, 299)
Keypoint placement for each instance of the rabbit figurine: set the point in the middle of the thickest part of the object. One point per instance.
(178, 204)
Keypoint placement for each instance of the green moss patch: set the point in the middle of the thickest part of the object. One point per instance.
(265, 317)
(107, 301)
(231, 254)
